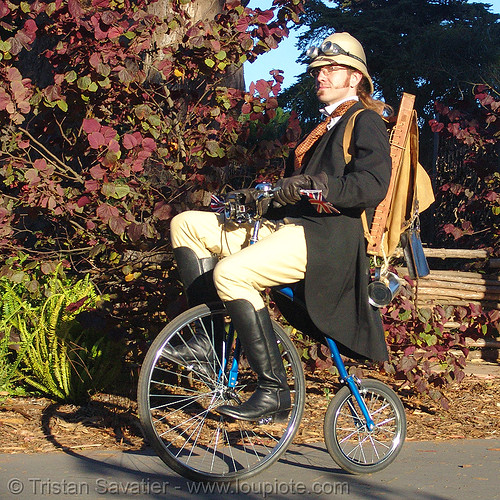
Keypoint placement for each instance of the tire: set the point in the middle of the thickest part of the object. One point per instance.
(353, 447)
(177, 405)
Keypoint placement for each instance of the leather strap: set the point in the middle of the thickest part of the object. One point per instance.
(346, 143)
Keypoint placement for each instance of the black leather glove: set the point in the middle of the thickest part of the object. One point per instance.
(289, 192)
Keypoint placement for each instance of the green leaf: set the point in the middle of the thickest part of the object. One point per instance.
(62, 105)
(70, 76)
(84, 82)
(93, 87)
(154, 120)
(105, 83)
(127, 269)
(5, 46)
(210, 63)
(121, 191)
(17, 277)
(405, 315)
(50, 9)
(221, 55)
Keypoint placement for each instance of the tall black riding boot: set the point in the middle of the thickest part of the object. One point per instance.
(255, 331)
(196, 276)
(197, 279)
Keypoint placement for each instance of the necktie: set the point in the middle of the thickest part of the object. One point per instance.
(317, 132)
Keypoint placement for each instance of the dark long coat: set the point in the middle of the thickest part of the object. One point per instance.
(337, 273)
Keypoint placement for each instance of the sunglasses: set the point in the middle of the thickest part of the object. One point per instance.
(325, 70)
(328, 48)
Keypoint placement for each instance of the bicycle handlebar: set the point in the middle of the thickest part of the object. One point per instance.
(250, 205)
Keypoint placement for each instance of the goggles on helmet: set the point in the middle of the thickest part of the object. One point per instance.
(328, 48)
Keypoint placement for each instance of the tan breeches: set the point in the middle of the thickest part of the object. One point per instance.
(279, 257)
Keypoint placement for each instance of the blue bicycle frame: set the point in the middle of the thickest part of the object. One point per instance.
(345, 378)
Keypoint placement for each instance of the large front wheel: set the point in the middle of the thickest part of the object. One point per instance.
(177, 404)
(350, 443)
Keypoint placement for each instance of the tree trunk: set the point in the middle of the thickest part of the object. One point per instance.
(198, 10)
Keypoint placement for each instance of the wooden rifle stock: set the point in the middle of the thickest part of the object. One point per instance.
(399, 135)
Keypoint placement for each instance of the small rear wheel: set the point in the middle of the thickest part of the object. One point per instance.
(177, 404)
(348, 440)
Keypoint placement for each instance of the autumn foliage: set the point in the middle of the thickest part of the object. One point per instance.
(105, 136)
(468, 179)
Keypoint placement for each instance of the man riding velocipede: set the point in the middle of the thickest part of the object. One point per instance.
(325, 248)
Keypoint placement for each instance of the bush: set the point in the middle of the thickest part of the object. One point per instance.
(104, 136)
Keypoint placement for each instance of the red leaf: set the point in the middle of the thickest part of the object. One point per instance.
(492, 196)
(13, 74)
(99, 33)
(114, 146)
(91, 125)
(265, 16)
(408, 364)
(130, 141)
(436, 126)
(97, 172)
(453, 230)
(32, 176)
(246, 108)
(30, 27)
(163, 211)
(91, 185)
(134, 231)
(242, 24)
(117, 225)
(5, 99)
(453, 128)
(105, 212)
(108, 133)
(48, 267)
(263, 88)
(4, 10)
(115, 32)
(96, 140)
(74, 306)
(83, 201)
(40, 164)
(95, 59)
(149, 145)
(75, 10)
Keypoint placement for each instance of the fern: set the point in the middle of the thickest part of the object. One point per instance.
(56, 356)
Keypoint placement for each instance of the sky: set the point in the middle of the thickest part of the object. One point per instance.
(285, 56)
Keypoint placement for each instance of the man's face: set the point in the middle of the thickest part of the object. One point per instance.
(335, 82)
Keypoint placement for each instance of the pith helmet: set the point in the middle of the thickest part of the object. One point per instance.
(340, 48)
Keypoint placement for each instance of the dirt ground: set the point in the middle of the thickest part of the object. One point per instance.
(34, 425)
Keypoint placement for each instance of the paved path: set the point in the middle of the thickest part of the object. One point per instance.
(432, 470)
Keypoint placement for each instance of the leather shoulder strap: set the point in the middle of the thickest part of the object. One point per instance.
(346, 143)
